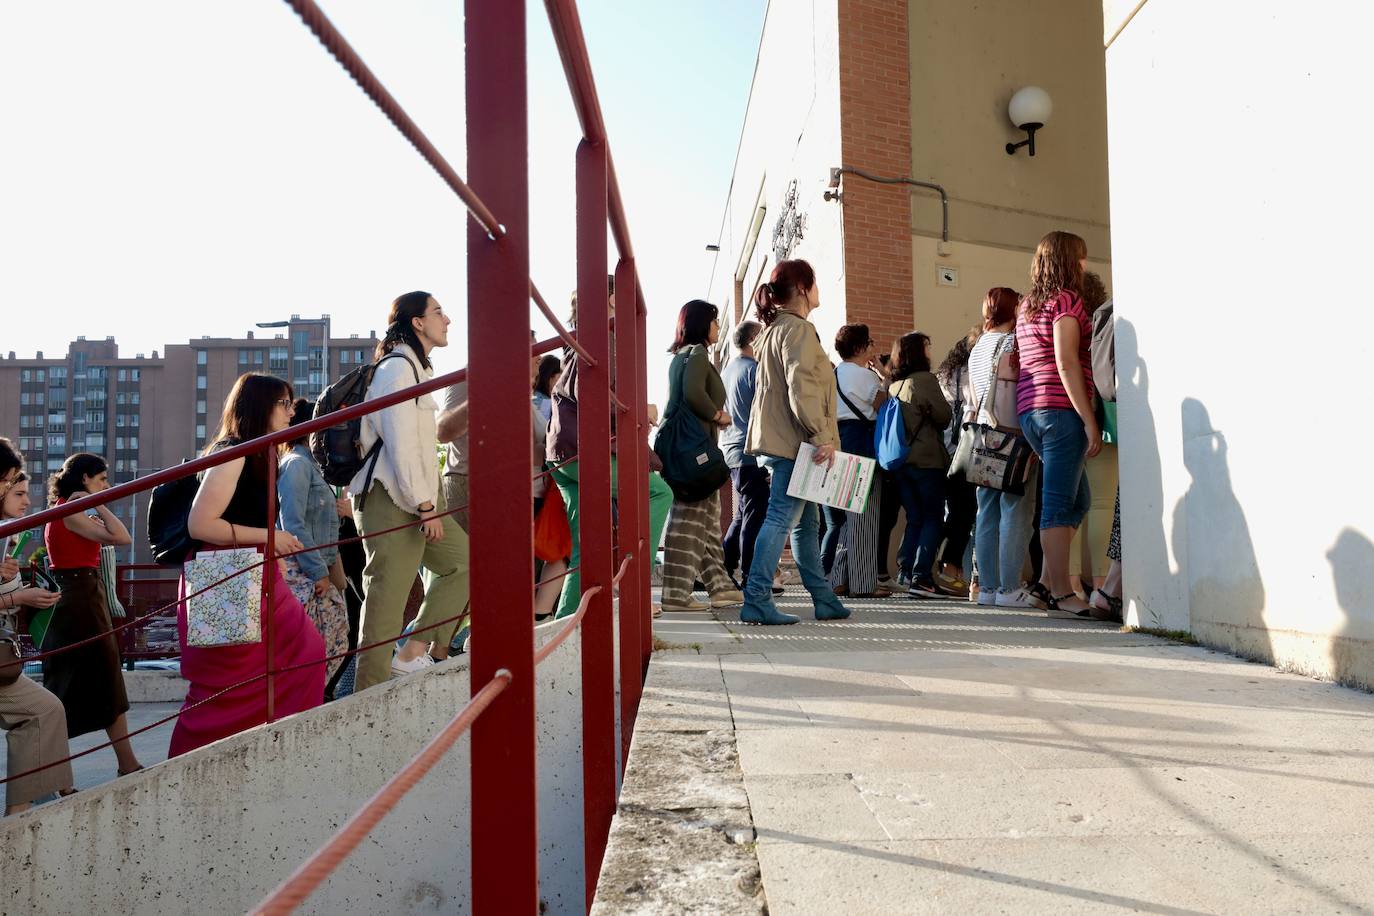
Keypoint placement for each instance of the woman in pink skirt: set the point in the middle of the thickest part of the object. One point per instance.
(231, 510)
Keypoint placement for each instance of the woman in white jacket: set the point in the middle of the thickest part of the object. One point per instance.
(399, 487)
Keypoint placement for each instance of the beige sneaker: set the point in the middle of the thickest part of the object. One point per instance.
(691, 604)
(728, 598)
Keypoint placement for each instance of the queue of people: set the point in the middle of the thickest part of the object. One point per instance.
(1026, 370)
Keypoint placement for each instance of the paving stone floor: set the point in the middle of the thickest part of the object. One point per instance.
(936, 757)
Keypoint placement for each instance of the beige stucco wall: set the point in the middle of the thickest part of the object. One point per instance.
(1239, 198)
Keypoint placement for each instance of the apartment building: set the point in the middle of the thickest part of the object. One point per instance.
(147, 412)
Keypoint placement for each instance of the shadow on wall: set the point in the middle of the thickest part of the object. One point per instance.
(1204, 576)
(1153, 595)
(1352, 569)
(1225, 590)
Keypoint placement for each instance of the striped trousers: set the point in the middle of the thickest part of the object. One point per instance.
(692, 550)
(856, 559)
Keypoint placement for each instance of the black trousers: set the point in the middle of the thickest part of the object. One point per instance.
(961, 510)
(887, 518)
(751, 507)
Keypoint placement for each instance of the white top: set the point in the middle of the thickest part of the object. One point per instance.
(860, 385)
(408, 463)
(980, 370)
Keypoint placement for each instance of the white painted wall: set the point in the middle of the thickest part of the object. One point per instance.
(215, 830)
(1240, 202)
(791, 132)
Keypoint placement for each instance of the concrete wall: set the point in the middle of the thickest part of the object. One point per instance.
(1234, 138)
(215, 830)
(791, 133)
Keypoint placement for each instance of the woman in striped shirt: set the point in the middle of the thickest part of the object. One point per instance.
(1054, 399)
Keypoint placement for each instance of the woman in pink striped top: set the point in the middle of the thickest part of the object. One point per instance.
(1054, 398)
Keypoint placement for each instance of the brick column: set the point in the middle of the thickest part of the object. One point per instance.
(875, 135)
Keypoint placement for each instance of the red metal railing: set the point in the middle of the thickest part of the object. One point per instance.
(501, 714)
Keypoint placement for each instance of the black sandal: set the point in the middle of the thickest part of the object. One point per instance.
(1039, 596)
(1054, 610)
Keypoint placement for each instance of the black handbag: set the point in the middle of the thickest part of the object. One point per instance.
(693, 465)
(989, 456)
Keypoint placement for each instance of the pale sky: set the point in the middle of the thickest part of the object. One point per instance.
(180, 168)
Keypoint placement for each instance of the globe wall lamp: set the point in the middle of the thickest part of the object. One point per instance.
(1029, 110)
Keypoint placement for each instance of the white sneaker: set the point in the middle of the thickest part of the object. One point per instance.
(1013, 599)
(987, 598)
(419, 663)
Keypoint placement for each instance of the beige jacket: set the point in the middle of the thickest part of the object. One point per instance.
(794, 397)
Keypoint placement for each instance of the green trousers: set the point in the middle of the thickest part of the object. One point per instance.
(392, 562)
(660, 501)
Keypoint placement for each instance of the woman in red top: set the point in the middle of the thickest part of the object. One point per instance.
(87, 680)
(1054, 398)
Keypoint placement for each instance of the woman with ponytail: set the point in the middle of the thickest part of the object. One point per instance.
(399, 488)
(794, 403)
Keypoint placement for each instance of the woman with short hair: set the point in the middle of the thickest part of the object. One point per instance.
(230, 510)
(849, 551)
(925, 413)
(87, 679)
(794, 404)
(693, 549)
(1054, 398)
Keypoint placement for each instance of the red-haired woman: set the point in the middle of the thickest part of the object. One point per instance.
(693, 548)
(1006, 521)
(231, 509)
(1054, 398)
(794, 403)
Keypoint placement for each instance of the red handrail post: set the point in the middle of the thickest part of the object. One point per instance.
(269, 569)
(646, 630)
(632, 486)
(594, 507)
(504, 840)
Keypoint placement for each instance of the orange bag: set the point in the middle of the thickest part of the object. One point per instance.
(552, 536)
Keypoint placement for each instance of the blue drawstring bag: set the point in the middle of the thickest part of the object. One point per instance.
(890, 440)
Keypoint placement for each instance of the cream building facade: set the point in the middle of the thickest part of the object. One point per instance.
(1182, 212)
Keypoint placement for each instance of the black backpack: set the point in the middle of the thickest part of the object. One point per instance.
(338, 449)
(169, 514)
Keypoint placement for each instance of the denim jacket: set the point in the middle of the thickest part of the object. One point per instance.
(307, 510)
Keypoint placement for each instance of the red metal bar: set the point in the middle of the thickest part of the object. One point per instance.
(649, 550)
(269, 573)
(632, 485)
(343, 52)
(292, 892)
(594, 508)
(568, 337)
(504, 839)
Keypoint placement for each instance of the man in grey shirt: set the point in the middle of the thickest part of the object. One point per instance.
(750, 480)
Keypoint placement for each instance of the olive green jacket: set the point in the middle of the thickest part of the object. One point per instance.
(703, 393)
(794, 397)
(926, 413)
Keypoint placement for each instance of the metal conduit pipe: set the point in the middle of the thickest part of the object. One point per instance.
(834, 194)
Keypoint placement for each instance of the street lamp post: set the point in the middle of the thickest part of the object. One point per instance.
(323, 322)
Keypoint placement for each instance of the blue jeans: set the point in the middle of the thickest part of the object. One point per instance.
(923, 498)
(1059, 439)
(786, 515)
(1006, 522)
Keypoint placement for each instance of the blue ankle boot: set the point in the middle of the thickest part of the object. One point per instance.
(765, 614)
(828, 607)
